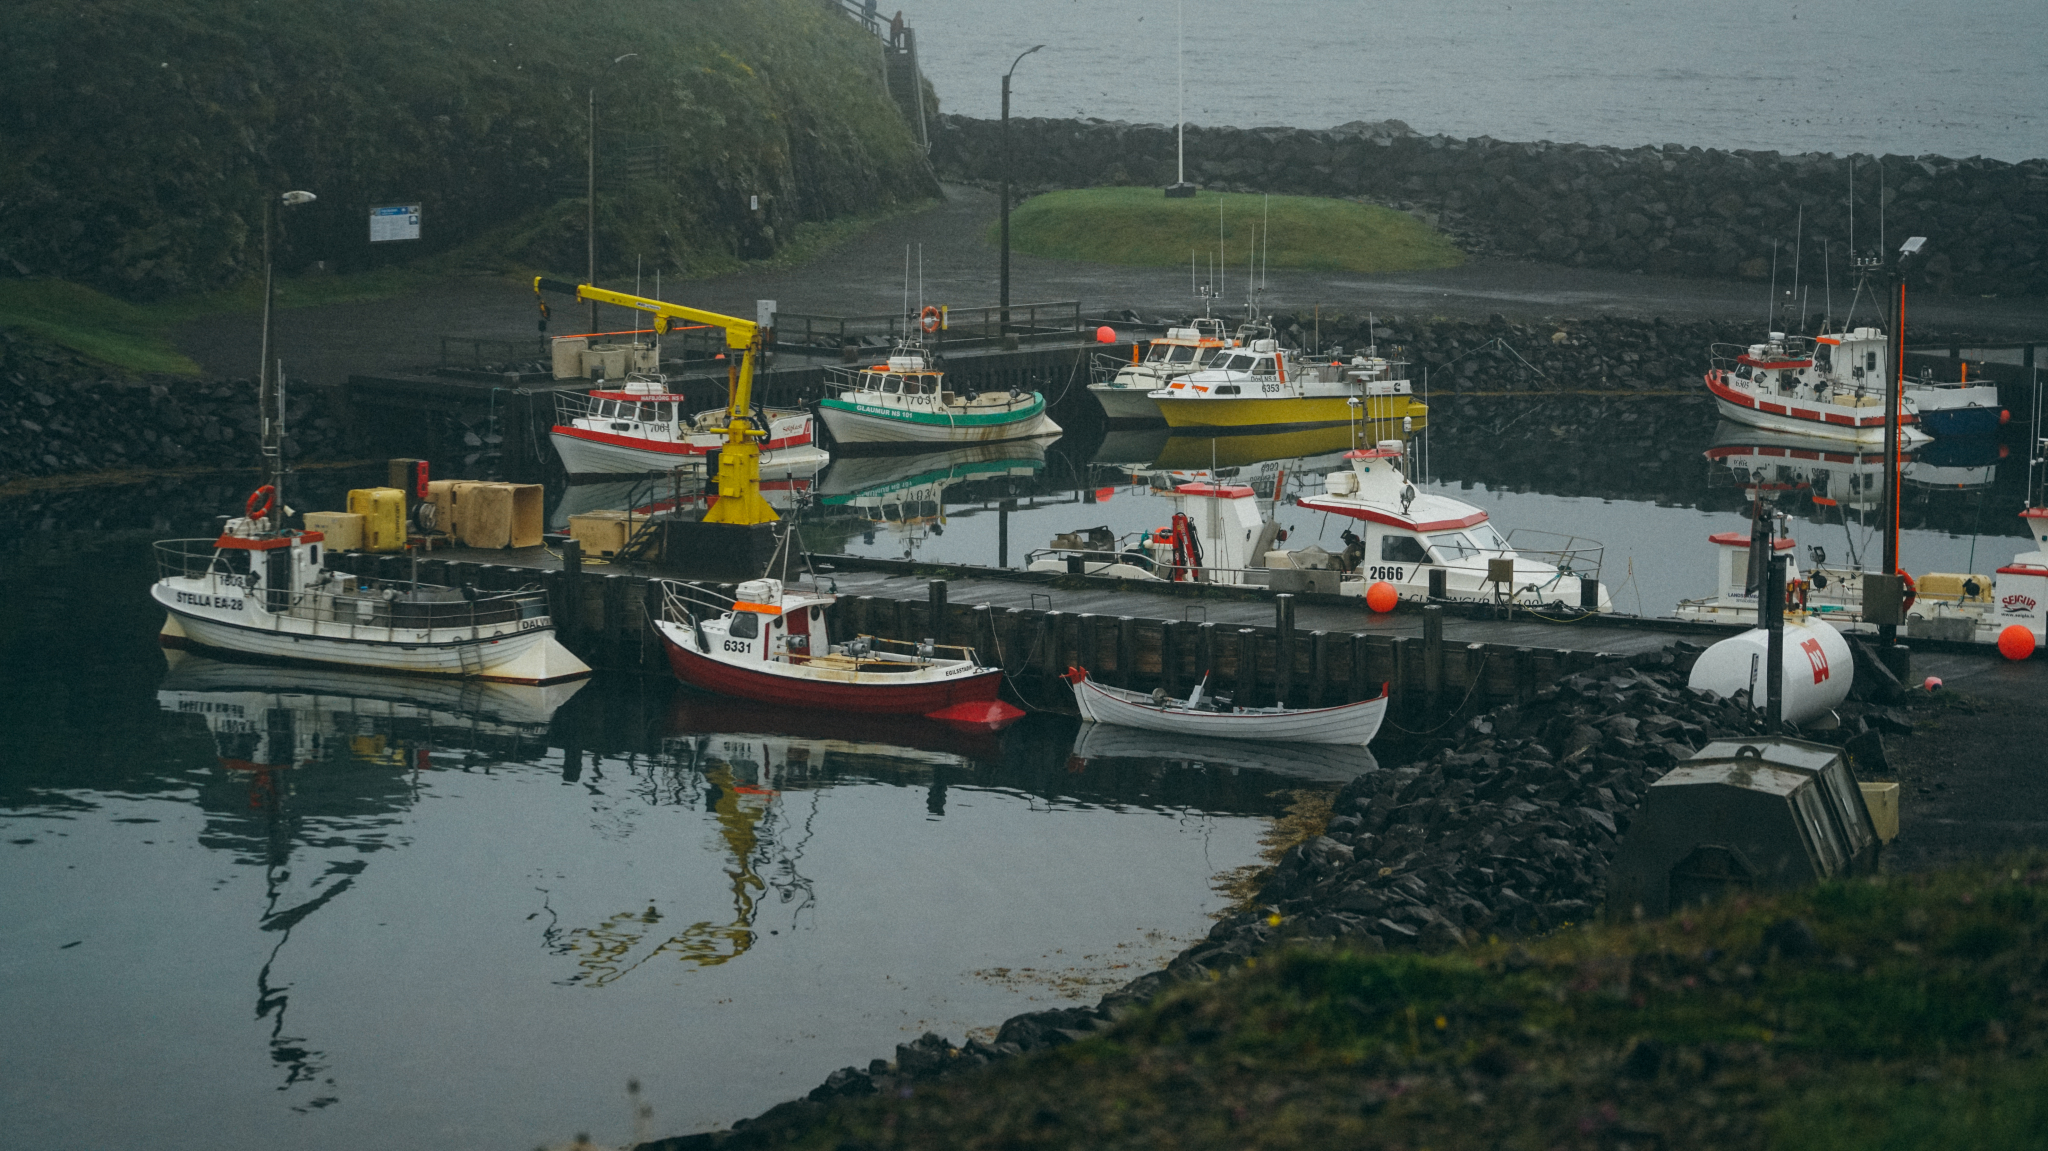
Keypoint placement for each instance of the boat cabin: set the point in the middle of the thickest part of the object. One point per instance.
(768, 623)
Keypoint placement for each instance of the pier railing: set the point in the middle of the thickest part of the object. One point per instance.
(964, 327)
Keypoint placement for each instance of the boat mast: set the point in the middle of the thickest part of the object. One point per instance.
(269, 389)
(1180, 63)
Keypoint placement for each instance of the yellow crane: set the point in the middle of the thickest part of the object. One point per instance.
(739, 462)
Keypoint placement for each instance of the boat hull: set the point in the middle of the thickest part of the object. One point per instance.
(1351, 724)
(1263, 415)
(1806, 417)
(785, 686)
(583, 453)
(858, 424)
(1953, 422)
(1133, 404)
(532, 657)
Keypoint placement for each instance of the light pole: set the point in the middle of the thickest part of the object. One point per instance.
(1005, 298)
(268, 405)
(1893, 391)
(590, 188)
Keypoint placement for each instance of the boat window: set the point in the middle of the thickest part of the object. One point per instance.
(603, 408)
(1450, 547)
(1236, 362)
(892, 383)
(1263, 366)
(1180, 355)
(1486, 537)
(745, 625)
(1402, 550)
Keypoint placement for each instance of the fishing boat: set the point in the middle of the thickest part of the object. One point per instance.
(904, 404)
(1258, 386)
(1831, 386)
(260, 589)
(1956, 410)
(1430, 546)
(641, 426)
(773, 645)
(1982, 607)
(1125, 389)
(1214, 717)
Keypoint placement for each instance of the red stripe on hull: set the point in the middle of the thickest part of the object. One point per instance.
(874, 699)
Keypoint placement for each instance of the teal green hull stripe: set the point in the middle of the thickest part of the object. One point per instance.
(900, 416)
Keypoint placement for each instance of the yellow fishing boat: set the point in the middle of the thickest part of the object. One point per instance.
(1260, 387)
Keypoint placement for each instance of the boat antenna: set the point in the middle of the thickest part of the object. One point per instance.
(1266, 260)
(920, 278)
(1771, 313)
(1798, 249)
(1827, 281)
(1852, 210)
(1880, 206)
(906, 290)
(1222, 273)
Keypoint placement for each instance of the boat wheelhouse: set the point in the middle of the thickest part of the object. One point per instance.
(1125, 388)
(905, 404)
(1258, 386)
(641, 426)
(1433, 547)
(263, 592)
(775, 646)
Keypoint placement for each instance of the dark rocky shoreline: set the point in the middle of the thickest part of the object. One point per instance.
(1505, 828)
(1662, 210)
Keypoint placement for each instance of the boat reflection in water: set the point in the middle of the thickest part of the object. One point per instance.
(318, 766)
(1318, 763)
(785, 486)
(907, 494)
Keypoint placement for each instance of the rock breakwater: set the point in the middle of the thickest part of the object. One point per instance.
(63, 413)
(1506, 827)
(1667, 209)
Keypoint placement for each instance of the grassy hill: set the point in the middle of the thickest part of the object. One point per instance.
(1906, 1011)
(1141, 226)
(138, 138)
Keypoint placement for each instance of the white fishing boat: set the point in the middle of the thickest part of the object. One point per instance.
(772, 645)
(261, 590)
(905, 404)
(1215, 718)
(1430, 546)
(641, 426)
(1832, 386)
(1124, 389)
(1983, 607)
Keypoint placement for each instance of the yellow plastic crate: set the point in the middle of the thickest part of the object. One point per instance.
(383, 512)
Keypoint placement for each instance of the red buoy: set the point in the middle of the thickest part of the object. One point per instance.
(1381, 597)
(1105, 335)
(2016, 642)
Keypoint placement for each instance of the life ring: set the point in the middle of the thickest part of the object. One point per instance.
(929, 319)
(1912, 591)
(267, 494)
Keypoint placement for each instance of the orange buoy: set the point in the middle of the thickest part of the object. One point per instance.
(2016, 642)
(1381, 597)
(1105, 335)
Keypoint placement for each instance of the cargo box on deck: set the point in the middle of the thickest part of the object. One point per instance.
(383, 512)
(494, 515)
(604, 533)
(343, 530)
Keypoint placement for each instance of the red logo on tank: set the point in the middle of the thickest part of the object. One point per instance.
(2017, 604)
(1816, 657)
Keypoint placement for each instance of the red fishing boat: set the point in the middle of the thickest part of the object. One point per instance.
(773, 645)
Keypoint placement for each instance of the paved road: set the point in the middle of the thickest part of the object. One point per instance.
(866, 276)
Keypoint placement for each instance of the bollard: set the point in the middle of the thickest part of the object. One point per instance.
(1432, 652)
(1358, 685)
(1439, 584)
(570, 618)
(1244, 672)
(1048, 644)
(1126, 649)
(1205, 654)
(1169, 656)
(1016, 642)
(1318, 668)
(935, 599)
(1283, 648)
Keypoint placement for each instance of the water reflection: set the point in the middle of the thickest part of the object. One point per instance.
(1101, 742)
(906, 495)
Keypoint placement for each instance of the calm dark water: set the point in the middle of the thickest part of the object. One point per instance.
(251, 908)
(1883, 76)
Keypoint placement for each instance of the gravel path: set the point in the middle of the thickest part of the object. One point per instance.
(865, 276)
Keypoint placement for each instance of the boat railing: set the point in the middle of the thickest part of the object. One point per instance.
(920, 649)
(1570, 555)
(384, 604)
(190, 559)
(679, 596)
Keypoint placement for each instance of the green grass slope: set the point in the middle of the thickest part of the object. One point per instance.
(138, 137)
(1142, 227)
(1899, 1012)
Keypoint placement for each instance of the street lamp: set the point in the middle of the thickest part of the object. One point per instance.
(269, 404)
(1909, 253)
(1005, 317)
(590, 190)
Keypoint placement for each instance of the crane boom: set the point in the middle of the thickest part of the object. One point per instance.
(739, 462)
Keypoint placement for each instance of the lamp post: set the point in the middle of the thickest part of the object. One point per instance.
(1005, 297)
(590, 189)
(1894, 389)
(269, 406)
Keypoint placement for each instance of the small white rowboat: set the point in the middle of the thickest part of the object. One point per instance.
(1352, 724)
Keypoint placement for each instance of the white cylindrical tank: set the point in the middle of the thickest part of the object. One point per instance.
(1818, 668)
